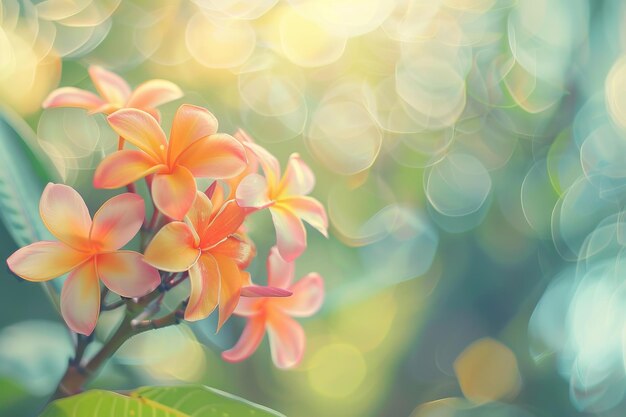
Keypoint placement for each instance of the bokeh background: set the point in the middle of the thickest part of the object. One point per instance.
(472, 157)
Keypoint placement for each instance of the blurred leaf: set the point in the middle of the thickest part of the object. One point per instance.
(15, 400)
(22, 178)
(181, 401)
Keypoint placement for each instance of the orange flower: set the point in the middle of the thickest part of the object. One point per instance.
(286, 336)
(286, 198)
(206, 245)
(115, 94)
(194, 150)
(89, 250)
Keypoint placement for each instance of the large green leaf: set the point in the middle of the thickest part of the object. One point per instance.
(179, 401)
(23, 174)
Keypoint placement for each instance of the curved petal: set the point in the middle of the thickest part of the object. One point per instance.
(287, 340)
(253, 191)
(280, 273)
(117, 221)
(260, 291)
(307, 298)
(298, 179)
(126, 273)
(204, 277)
(80, 299)
(216, 156)
(250, 306)
(290, 233)
(110, 85)
(230, 287)
(269, 163)
(65, 214)
(225, 223)
(140, 129)
(73, 97)
(200, 212)
(153, 93)
(308, 209)
(248, 342)
(42, 261)
(190, 124)
(172, 248)
(174, 193)
(123, 167)
(234, 248)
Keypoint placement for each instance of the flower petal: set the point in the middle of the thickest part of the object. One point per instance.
(307, 298)
(230, 287)
(226, 222)
(216, 156)
(308, 209)
(269, 163)
(253, 191)
(172, 248)
(287, 340)
(174, 193)
(140, 129)
(235, 248)
(80, 299)
(123, 167)
(190, 124)
(260, 291)
(110, 85)
(298, 179)
(117, 221)
(153, 93)
(200, 212)
(42, 261)
(280, 273)
(290, 233)
(204, 277)
(126, 273)
(72, 97)
(250, 306)
(65, 214)
(248, 342)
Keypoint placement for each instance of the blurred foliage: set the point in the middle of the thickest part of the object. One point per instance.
(470, 154)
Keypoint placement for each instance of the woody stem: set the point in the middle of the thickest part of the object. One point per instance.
(77, 375)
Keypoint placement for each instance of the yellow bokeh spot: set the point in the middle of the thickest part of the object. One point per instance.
(306, 43)
(219, 44)
(614, 92)
(487, 371)
(337, 370)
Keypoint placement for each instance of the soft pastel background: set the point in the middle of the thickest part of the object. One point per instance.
(471, 154)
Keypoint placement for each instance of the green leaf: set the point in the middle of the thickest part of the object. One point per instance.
(23, 175)
(179, 401)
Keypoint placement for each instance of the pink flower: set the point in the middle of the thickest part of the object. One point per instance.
(195, 149)
(286, 336)
(89, 251)
(286, 198)
(115, 94)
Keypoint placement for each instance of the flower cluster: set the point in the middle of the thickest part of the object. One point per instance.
(193, 235)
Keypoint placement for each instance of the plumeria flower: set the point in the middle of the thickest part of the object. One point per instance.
(89, 251)
(252, 167)
(286, 335)
(286, 198)
(207, 246)
(195, 149)
(115, 94)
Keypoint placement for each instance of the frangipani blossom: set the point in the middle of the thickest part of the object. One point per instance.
(207, 246)
(195, 149)
(252, 167)
(90, 250)
(286, 198)
(286, 335)
(115, 94)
